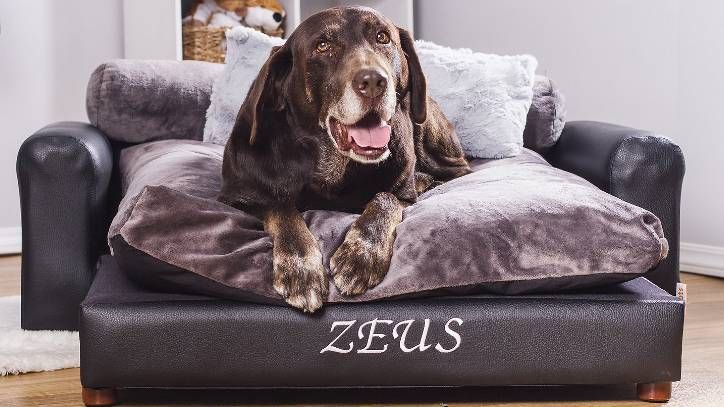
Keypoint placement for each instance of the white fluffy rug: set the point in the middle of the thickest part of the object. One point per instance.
(33, 351)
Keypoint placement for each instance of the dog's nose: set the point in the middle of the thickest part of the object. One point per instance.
(277, 17)
(369, 83)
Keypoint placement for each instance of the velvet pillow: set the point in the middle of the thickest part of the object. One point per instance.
(486, 97)
(135, 101)
(514, 225)
(546, 117)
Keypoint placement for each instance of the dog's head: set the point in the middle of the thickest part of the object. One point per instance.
(342, 74)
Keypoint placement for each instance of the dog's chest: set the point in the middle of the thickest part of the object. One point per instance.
(329, 171)
(338, 182)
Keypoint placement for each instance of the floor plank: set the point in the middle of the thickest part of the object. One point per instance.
(702, 383)
(9, 275)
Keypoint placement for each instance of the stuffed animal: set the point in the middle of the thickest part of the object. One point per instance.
(264, 15)
(225, 19)
(216, 13)
(230, 13)
(201, 12)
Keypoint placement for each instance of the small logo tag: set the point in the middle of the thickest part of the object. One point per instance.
(681, 291)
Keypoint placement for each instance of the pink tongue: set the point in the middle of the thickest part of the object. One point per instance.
(375, 137)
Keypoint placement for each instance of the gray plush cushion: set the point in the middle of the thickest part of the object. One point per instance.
(193, 167)
(138, 101)
(546, 117)
(514, 225)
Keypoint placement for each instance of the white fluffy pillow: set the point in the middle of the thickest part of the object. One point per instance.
(246, 51)
(486, 97)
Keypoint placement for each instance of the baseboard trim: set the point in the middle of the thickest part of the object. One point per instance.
(11, 240)
(702, 259)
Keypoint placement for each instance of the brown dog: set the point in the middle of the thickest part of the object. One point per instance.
(338, 118)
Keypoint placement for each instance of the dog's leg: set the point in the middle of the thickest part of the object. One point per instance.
(361, 262)
(424, 182)
(299, 274)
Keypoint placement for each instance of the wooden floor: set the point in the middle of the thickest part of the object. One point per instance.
(702, 383)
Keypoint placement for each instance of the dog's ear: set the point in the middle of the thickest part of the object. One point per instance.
(417, 84)
(267, 94)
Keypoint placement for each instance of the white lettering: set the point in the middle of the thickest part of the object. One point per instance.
(370, 331)
(372, 335)
(331, 347)
(422, 346)
(458, 339)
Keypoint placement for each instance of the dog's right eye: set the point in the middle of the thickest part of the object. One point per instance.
(383, 37)
(322, 46)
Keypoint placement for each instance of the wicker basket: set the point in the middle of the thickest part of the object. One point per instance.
(205, 43)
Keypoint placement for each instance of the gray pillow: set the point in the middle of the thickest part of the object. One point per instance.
(136, 101)
(546, 117)
(514, 225)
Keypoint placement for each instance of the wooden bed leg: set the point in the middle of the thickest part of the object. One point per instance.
(99, 397)
(659, 392)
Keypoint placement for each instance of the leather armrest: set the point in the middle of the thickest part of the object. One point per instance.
(63, 175)
(636, 166)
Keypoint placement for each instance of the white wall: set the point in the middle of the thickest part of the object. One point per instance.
(47, 51)
(614, 59)
(152, 29)
(399, 11)
(699, 131)
(651, 64)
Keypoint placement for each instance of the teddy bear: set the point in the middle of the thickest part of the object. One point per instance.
(264, 15)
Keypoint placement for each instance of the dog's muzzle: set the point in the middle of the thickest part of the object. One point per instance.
(358, 122)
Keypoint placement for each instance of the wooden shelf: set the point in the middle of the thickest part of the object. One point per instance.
(152, 29)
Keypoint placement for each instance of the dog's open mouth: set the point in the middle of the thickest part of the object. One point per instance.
(367, 139)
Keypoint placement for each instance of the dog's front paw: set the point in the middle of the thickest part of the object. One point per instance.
(360, 263)
(301, 280)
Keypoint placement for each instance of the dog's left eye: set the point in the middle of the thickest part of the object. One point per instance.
(383, 37)
(322, 46)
